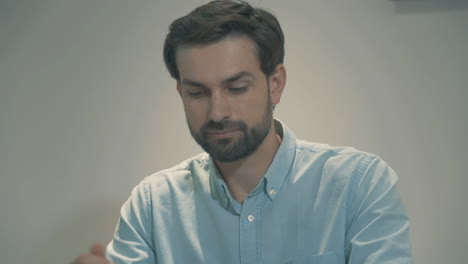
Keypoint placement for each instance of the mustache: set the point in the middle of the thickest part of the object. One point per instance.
(225, 124)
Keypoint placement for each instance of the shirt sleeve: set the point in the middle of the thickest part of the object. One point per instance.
(132, 241)
(378, 226)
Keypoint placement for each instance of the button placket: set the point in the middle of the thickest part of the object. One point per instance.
(249, 228)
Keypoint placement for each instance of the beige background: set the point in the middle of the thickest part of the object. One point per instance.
(87, 110)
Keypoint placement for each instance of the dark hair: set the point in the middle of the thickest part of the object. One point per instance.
(219, 19)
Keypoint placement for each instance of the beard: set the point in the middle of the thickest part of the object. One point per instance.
(236, 147)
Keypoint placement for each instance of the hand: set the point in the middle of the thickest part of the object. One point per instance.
(96, 255)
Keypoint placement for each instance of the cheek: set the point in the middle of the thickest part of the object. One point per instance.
(254, 107)
(195, 115)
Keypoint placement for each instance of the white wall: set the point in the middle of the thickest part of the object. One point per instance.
(87, 110)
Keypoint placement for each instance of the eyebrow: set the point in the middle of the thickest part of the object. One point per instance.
(231, 79)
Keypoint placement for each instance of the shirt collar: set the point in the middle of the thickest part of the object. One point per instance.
(272, 180)
(282, 162)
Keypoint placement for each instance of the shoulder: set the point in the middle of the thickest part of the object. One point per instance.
(345, 166)
(335, 156)
(179, 170)
(176, 179)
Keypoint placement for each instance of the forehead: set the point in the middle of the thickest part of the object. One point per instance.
(215, 61)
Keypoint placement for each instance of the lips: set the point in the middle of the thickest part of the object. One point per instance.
(222, 132)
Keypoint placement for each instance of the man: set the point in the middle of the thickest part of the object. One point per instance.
(258, 195)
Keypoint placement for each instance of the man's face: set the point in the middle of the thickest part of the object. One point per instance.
(226, 97)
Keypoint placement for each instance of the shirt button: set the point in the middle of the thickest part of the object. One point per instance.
(272, 192)
(250, 218)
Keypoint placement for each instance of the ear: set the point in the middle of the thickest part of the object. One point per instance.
(179, 88)
(277, 83)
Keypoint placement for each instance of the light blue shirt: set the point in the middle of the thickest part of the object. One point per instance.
(315, 204)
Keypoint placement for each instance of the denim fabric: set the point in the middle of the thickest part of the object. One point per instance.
(315, 204)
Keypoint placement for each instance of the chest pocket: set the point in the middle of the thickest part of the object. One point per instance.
(325, 258)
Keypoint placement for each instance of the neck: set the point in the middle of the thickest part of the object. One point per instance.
(243, 176)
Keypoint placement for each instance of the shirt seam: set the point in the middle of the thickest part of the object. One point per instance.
(315, 150)
(356, 178)
(149, 208)
(360, 169)
(183, 166)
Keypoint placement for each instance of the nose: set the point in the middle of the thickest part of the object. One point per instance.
(219, 107)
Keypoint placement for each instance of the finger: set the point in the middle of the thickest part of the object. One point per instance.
(89, 259)
(98, 250)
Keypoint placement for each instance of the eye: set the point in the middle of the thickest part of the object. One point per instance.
(196, 93)
(238, 90)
